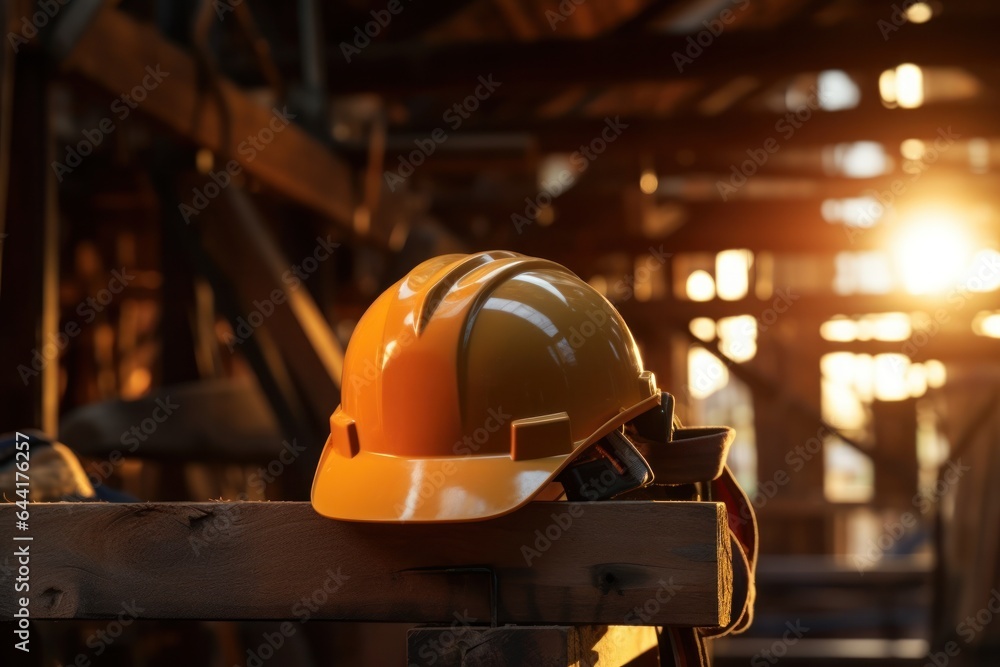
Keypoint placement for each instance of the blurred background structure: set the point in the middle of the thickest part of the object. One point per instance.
(792, 202)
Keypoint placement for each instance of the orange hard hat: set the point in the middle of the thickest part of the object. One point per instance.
(469, 385)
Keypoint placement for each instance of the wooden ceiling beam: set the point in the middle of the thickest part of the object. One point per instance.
(812, 306)
(120, 54)
(419, 67)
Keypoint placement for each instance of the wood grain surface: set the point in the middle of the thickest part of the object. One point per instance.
(613, 563)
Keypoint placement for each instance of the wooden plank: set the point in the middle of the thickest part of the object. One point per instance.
(114, 53)
(603, 564)
(459, 645)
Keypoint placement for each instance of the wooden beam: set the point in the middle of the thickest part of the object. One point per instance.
(947, 346)
(750, 131)
(707, 227)
(115, 52)
(237, 233)
(588, 563)
(412, 66)
(818, 307)
(738, 130)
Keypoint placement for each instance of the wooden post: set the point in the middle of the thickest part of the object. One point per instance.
(29, 236)
(790, 464)
(895, 425)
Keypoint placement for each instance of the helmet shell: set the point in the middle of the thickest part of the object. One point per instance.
(468, 386)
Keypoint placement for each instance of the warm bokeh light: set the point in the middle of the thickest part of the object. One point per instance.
(890, 377)
(912, 149)
(851, 381)
(983, 277)
(979, 155)
(648, 182)
(706, 374)
(838, 367)
(738, 337)
(931, 253)
(987, 324)
(937, 374)
(703, 328)
(700, 286)
(204, 160)
(732, 274)
(867, 272)
(916, 380)
(138, 383)
(909, 86)
(877, 326)
(857, 159)
(558, 173)
(599, 283)
(891, 326)
(919, 12)
(837, 90)
(903, 86)
(852, 211)
(887, 87)
(864, 377)
(839, 329)
(546, 215)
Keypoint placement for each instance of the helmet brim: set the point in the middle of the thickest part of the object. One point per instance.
(392, 489)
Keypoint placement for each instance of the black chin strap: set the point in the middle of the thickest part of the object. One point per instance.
(608, 469)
